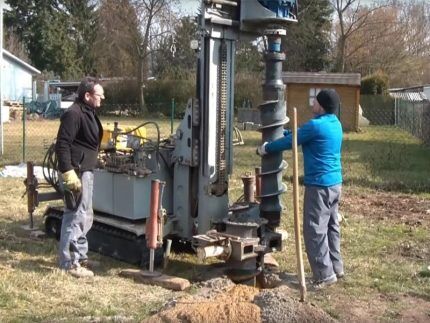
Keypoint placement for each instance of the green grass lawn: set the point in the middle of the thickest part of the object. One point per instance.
(385, 244)
(386, 158)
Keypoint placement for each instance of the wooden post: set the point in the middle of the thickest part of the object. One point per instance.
(299, 255)
(31, 186)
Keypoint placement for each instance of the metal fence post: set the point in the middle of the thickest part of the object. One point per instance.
(172, 115)
(420, 120)
(24, 117)
(395, 111)
(1, 81)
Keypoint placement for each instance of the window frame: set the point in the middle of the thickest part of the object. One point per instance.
(312, 94)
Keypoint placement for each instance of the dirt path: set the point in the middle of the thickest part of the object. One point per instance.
(394, 207)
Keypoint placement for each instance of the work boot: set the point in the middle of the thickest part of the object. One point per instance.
(80, 272)
(340, 275)
(89, 264)
(321, 284)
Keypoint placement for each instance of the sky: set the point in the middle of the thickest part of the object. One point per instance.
(190, 6)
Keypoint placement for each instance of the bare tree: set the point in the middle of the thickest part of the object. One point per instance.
(351, 18)
(115, 50)
(413, 67)
(130, 33)
(394, 40)
(415, 16)
(14, 45)
(156, 19)
(377, 44)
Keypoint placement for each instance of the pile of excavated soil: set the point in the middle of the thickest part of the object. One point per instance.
(277, 306)
(221, 301)
(235, 305)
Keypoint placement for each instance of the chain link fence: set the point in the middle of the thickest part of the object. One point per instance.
(378, 109)
(27, 136)
(28, 132)
(414, 117)
(27, 127)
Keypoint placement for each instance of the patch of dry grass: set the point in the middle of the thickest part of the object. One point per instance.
(382, 256)
(33, 289)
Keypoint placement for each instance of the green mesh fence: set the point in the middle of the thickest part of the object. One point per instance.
(414, 117)
(378, 109)
(28, 133)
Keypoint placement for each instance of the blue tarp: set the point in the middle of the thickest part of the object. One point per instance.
(48, 109)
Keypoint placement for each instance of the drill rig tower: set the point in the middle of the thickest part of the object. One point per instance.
(223, 22)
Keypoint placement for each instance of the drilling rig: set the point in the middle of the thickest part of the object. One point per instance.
(194, 165)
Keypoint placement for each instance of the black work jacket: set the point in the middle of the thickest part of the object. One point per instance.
(78, 138)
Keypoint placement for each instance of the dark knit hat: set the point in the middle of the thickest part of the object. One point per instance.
(329, 100)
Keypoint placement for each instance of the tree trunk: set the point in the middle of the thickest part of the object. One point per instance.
(340, 55)
(143, 109)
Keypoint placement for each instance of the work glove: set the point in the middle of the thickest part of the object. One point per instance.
(261, 150)
(71, 181)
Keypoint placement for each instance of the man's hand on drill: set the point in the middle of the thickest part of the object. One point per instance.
(72, 181)
(261, 150)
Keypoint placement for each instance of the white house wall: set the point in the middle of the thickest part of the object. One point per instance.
(17, 82)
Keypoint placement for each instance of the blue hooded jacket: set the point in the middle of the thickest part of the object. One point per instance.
(321, 141)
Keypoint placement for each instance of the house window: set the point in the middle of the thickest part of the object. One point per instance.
(313, 92)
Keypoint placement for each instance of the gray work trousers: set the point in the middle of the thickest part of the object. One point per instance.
(75, 226)
(321, 231)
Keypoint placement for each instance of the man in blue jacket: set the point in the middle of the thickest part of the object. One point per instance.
(321, 140)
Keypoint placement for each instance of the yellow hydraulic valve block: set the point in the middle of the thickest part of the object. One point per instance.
(123, 137)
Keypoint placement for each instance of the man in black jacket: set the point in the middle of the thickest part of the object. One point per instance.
(78, 141)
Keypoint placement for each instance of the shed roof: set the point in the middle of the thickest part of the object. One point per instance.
(65, 84)
(416, 88)
(322, 78)
(16, 60)
(409, 96)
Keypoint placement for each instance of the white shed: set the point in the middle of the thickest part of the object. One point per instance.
(17, 78)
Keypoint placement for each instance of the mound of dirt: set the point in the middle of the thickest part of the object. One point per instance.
(235, 305)
(277, 306)
(238, 303)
